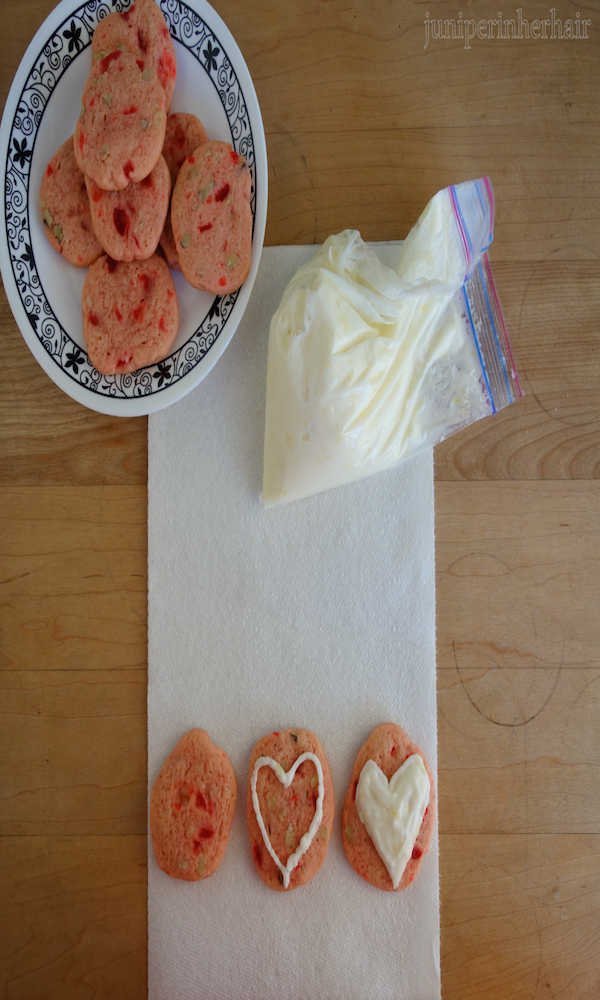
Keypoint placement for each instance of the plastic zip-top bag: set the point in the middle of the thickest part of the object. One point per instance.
(367, 365)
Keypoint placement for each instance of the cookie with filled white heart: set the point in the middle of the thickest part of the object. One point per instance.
(290, 807)
(389, 812)
(191, 808)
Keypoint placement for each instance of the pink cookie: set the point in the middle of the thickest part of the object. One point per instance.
(191, 808)
(66, 210)
(292, 797)
(388, 747)
(141, 30)
(212, 219)
(120, 131)
(130, 314)
(129, 223)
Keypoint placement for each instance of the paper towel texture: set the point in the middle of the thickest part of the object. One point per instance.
(320, 614)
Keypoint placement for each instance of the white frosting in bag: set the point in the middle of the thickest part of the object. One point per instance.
(366, 366)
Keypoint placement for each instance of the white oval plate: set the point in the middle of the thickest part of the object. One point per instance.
(43, 290)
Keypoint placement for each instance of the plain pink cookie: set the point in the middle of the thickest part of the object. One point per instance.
(191, 808)
(129, 223)
(130, 314)
(212, 219)
(66, 210)
(389, 746)
(287, 813)
(121, 128)
(184, 133)
(141, 30)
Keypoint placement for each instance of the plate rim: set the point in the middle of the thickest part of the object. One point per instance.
(141, 405)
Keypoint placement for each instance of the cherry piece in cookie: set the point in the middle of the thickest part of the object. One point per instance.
(290, 808)
(191, 808)
(65, 209)
(130, 314)
(389, 812)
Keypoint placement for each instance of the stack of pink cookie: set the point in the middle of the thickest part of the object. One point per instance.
(106, 196)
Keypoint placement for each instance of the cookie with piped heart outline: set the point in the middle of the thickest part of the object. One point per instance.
(290, 807)
(394, 793)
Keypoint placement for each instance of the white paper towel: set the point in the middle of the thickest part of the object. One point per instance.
(321, 615)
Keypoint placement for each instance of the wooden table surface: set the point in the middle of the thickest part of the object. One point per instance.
(364, 123)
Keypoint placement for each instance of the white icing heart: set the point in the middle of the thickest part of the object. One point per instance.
(286, 778)
(393, 811)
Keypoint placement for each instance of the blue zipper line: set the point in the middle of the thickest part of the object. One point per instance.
(485, 212)
(461, 223)
(491, 315)
(485, 374)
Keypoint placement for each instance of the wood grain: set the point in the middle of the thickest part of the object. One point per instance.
(73, 915)
(47, 787)
(73, 577)
(339, 63)
(379, 182)
(520, 916)
(363, 125)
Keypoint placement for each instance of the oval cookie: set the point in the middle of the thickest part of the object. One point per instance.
(130, 313)
(212, 219)
(121, 127)
(394, 793)
(191, 808)
(141, 30)
(290, 807)
(66, 210)
(129, 223)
